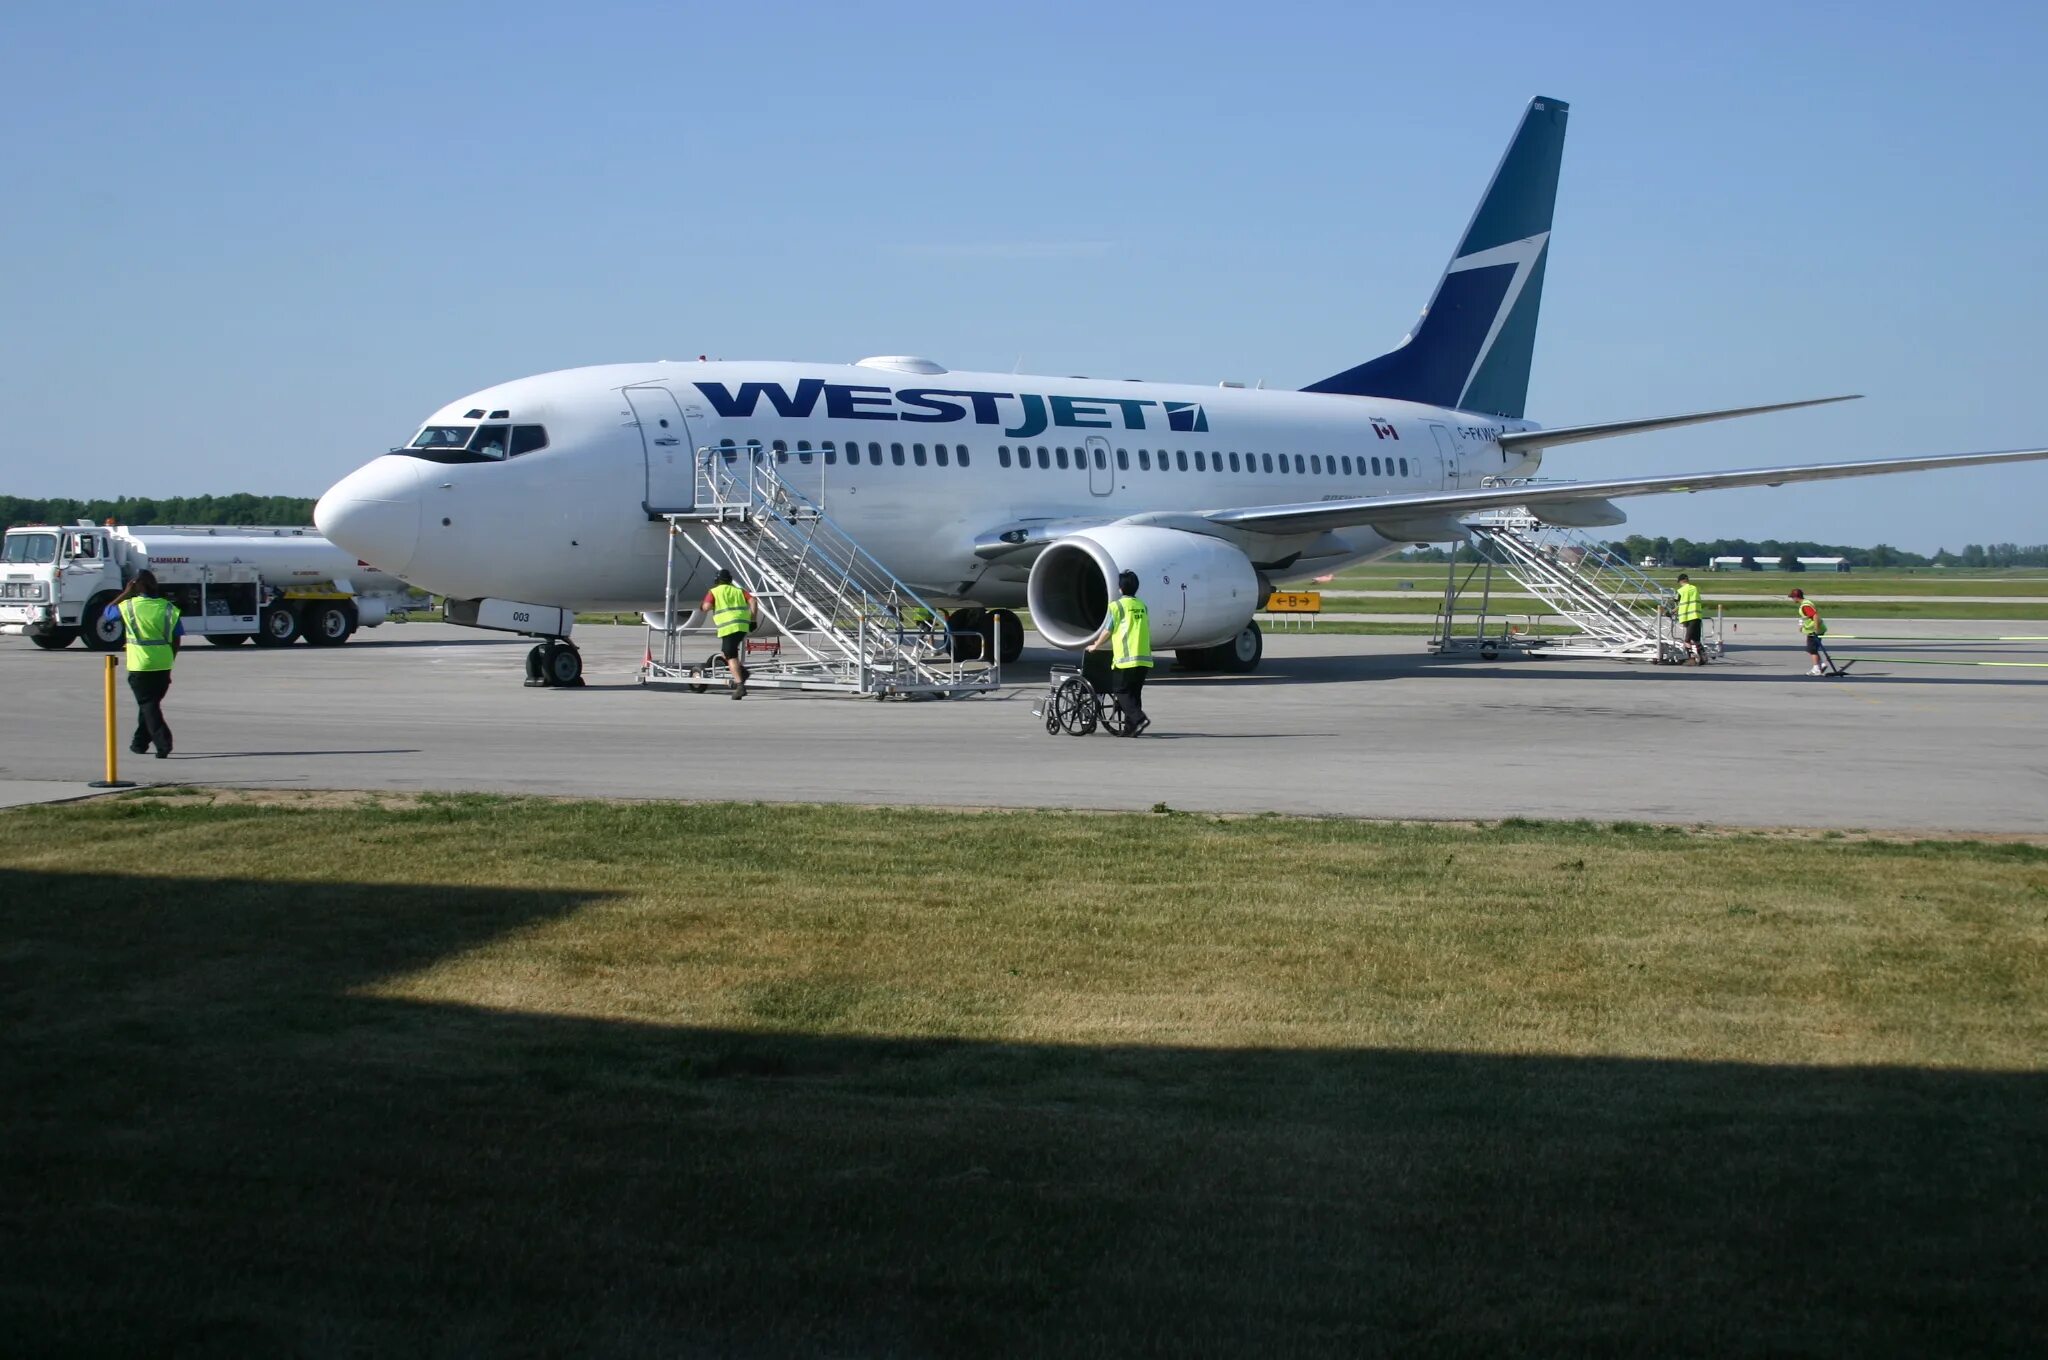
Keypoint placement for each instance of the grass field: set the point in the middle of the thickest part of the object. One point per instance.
(339, 1074)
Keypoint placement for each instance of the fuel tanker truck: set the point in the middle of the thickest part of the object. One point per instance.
(230, 583)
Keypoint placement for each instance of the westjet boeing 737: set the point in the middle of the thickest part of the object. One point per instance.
(985, 491)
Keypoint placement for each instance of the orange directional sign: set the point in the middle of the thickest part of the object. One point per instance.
(1295, 602)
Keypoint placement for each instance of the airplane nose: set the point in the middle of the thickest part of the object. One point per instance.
(374, 512)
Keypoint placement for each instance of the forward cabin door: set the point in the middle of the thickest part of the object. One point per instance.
(1101, 472)
(665, 438)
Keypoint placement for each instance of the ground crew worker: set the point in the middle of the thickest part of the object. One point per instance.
(1814, 627)
(1689, 618)
(920, 618)
(1129, 631)
(732, 613)
(153, 631)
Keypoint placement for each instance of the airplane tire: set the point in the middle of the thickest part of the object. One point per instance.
(55, 640)
(970, 643)
(1243, 653)
(97, 633)
(277, 626)
(562, 667)
(1005, 634)
(1239, 656)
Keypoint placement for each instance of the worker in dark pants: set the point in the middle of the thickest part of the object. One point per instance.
(1689, 613)
(732, 613)
(153, 630)
(1128, 629)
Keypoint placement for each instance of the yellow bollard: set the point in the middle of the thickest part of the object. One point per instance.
(113, 779)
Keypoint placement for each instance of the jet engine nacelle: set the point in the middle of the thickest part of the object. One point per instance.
(1198, 590)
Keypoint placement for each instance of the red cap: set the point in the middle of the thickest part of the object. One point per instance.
(1796, 594)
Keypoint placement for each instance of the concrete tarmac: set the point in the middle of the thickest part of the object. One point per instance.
(1349, 726)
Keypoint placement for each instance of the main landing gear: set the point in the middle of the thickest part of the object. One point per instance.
(1239, 656)
(554, 664)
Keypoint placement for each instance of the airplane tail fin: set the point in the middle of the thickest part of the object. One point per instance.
(1473, 346)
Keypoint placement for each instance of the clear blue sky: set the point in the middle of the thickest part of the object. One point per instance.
(249, 246)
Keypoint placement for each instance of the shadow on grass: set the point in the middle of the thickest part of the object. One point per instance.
(215, 1140)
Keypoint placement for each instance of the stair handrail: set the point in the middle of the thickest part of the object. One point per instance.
(767, 493)
(865, 596)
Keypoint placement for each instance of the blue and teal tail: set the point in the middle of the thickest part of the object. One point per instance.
(1474, 344)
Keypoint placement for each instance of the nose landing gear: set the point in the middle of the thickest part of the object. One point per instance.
(554, 664)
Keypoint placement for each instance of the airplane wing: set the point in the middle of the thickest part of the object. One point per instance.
(1559, 497)
(1579, 434)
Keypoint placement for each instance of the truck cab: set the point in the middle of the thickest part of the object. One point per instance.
(49, 575)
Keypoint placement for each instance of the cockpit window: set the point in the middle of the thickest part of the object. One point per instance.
(31, 547)
(477, 443)
(443, 437)
(490, 441)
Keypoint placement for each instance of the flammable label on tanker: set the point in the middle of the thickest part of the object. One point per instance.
(1295, 602)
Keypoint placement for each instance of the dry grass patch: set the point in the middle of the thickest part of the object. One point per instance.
(471, 1073)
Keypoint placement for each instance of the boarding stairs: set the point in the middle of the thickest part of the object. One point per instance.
(1613, 608)
(846, 624)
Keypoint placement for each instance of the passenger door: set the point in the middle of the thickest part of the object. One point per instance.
(1101, 472)
(665, 439)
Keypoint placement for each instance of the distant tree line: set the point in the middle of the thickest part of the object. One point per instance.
(239, 508)
(1684, 552)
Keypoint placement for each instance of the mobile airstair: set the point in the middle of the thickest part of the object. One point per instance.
(844, 623)
(1590, 601)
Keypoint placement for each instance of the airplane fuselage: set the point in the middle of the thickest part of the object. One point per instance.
(921, 465)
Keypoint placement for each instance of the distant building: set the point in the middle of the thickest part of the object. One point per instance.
(1777, 564)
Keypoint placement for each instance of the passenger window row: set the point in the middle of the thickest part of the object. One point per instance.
(829, 452)
(1180, 460)
(1177, 460)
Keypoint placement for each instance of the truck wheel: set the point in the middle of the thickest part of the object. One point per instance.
(98, 633)
(55, 640)
(329, 623)
(227, 639)
(276, 626)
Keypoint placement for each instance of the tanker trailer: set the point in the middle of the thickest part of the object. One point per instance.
(230, 583)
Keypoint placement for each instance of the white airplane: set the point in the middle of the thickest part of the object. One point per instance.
(985, 491)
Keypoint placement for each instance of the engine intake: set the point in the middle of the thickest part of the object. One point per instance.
(1199, 590)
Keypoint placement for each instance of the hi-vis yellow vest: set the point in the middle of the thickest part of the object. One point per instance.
(729, 610)
(1814, 625)
(150, 623)
(1688, 603)
(1130, 633)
